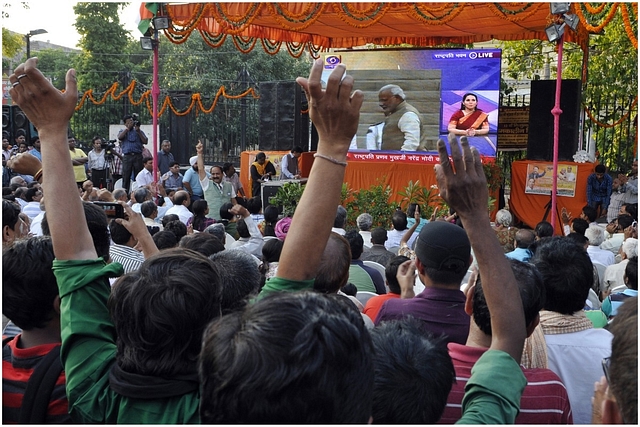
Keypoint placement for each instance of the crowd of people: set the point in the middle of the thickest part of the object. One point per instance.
(198, 308)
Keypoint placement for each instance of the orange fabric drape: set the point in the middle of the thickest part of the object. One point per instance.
(530, 208)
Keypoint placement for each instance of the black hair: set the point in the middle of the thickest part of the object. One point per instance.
(356, 243)
(378, 236)
(270, 218)
(631, 271)
(341, 217)
(544, 229)
(631, 209)
(10, 214)
(409, 361)
(178, 228)
(119, 234)
(590, 213)
(399, 220)
(165, 239)
(411, 210)
(532, 295)
(349, 289)
(296, 149)
(254, 205)
(204, 243)
(290, 358)
(224, 211)
(567, 272)
(600, 168)
(333, 271)
(168, 218)
(29, 286)
(242, 278)
(148, 208)
(98, 224)
(30, 193)
(243, 230)
(579, 225)
(579, 239)
(624, 221)
(465, 97)
(172, 164)
(161, 310)
(272, 249)
(199, 207)
(260, 156)
(390, 272)
(141, 195)
(226, 167)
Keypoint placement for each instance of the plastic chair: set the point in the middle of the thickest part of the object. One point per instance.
(364, 296)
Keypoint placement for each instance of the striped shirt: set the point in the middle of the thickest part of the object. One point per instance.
(544, 400)
(18, 364)
(130, 258)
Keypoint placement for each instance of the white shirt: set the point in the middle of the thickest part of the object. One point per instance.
(577, 359)
(614, 275)
(31, 209)
(366, 236)
(144, 177)
(409, 124)
(613, 243)
(394, 237)
(600, 255)
(284, 165)
(252, 245)
(36, 224)
(181, 211)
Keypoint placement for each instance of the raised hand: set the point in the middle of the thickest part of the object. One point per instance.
(462, 184)
(334, 111)
(45, 105)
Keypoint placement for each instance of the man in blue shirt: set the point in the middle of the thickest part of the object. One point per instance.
(131, 140)
(165, 158)
(599, 186)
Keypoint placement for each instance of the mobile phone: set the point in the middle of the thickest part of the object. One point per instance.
(113, 210)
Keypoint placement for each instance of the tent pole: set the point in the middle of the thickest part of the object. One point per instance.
(556, 111)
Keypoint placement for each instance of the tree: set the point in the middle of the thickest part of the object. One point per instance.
(12, 43)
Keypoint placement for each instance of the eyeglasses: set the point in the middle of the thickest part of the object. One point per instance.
(606, 364)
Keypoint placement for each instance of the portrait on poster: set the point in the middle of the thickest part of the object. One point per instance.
(540, 179)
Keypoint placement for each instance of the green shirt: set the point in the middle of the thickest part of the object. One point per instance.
(492, 394)
(89, 350)
(278, 284)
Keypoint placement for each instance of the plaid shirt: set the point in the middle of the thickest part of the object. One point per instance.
(117, 163)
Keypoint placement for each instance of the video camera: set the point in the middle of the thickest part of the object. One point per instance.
(108, 147)
(136, 119)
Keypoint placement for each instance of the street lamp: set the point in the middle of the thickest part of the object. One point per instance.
(28, 37)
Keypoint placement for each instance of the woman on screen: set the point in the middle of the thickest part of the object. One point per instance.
(469, 120)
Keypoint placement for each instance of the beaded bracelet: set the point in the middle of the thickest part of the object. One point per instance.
(38, 175)
(331, 159)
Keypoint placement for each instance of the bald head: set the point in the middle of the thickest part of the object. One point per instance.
(524, 238)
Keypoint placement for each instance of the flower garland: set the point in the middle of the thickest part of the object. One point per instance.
(363, 18)
(196, 99)
(301, 20)
(271, 46)
(244, 44)
(627, 24)
(213, 40)
(420, 13)
(188, 25)
(238, 25)
(604, 23)
(622, 119)
(595, 10)
(514, 15)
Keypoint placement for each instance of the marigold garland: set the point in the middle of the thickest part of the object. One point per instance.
(619, 121)
(302, 20)
(595, 10)
(363, 19)
(514, 15)
(244, 44)
(190, 24)
(604, 23)
(235, 26)
(271, 46)
(627, 25)
(420, 13)
(196, 99)
(213, 40)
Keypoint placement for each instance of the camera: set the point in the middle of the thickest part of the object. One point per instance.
(108, 147)
(136, 119)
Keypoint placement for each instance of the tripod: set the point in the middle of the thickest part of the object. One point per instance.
(547, 208)
(109, 166)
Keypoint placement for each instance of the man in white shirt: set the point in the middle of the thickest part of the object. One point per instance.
(595, 235)
(180, 202)
(402, 128)
(250, 240)
(145, 176)
(289, 166)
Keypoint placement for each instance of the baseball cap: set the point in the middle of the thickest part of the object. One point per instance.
(193, 160)
(443, 246)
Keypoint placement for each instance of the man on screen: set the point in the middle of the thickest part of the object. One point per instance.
(402, 126)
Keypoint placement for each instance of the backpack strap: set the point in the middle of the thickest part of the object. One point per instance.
(39, 388)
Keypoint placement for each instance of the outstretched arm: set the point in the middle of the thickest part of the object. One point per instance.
(50, 110)
(464, 186)
(335, 113)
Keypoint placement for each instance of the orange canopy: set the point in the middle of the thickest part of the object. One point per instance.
(343, 25)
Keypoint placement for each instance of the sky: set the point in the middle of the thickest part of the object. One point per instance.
(57, 18)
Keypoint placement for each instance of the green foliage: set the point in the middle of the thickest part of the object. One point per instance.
(54, 64)
(11, 43)
(374, 201)
(427, 198)
(494, 175)
(288, 196)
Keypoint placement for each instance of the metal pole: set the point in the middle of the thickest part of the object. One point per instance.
(155, 91)
(556, 111)
(28, 46)
(243, 111)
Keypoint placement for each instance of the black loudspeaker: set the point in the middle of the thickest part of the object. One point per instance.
(540, 141)
(282, 124)
(6, 124)
(20, 124)
(180, 126)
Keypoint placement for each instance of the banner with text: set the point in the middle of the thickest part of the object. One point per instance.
(540, 179)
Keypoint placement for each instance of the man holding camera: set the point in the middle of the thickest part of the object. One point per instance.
(132, 139)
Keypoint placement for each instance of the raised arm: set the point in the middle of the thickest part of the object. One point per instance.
(335, 113)
(200, 151)
(464, 186)
(50, 110)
